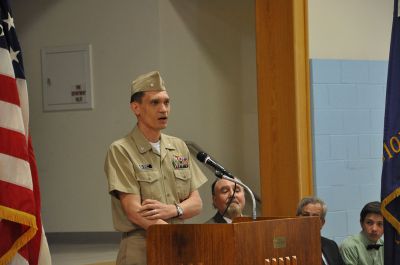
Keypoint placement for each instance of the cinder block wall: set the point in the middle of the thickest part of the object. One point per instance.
(348, 103)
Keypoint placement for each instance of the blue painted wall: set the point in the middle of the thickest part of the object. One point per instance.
(348, 102)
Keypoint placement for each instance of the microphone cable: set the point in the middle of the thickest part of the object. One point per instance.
(230, 200)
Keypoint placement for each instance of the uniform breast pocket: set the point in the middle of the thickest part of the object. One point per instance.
(183, 183)
(150, 186)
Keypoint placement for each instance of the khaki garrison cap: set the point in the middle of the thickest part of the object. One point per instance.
(148, 82)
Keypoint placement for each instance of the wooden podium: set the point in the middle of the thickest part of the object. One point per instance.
(280, 241)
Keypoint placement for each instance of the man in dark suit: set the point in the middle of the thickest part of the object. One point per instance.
(228, 199)
(313, 206)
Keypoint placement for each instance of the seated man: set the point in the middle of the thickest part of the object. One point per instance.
(228, 207)
(313, 206)
(366, 247)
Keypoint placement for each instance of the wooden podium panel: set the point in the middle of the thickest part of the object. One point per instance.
(245, 242)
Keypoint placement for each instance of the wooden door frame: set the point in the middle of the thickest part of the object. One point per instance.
(284, 118)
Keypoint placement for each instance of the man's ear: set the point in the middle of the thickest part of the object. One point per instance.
(135, 107)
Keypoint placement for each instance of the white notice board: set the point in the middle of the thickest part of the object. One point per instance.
(67, 78)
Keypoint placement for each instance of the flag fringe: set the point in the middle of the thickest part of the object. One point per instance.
(388, 216)
(21, 218)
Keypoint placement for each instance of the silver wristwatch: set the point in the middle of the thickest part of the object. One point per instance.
(179, 210)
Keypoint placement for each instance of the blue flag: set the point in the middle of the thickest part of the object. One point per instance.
(390, 185)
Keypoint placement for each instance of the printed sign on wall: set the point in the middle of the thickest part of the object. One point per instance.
(67, 78)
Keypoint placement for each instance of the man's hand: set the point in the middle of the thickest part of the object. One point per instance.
(153, 209)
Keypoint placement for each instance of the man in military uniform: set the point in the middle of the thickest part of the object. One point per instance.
(152, 178)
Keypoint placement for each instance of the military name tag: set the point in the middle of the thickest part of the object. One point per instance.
(145, 166)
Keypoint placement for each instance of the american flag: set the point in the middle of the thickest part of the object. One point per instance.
(22, 237)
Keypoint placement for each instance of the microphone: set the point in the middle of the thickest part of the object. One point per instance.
(206, 159)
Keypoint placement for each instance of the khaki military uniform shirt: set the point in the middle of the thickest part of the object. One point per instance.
(132, 166)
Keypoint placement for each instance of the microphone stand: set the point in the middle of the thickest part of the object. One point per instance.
(219, 174)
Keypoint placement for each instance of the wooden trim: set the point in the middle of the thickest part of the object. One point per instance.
(283, 105)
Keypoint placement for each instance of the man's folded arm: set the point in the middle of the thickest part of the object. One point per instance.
(132, 207)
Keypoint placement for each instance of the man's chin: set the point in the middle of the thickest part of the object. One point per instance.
(373, 238)
(234, 211)
(162, 126)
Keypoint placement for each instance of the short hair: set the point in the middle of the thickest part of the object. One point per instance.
(311, 200)
(371, 207)
(137, 97)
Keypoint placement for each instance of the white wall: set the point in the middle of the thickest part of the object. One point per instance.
(350, 29)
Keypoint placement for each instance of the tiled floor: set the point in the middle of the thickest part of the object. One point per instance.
(80, 254)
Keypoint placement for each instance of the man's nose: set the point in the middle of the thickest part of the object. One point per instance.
(163, 108)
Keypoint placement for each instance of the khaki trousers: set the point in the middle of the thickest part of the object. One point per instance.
(132, 249)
